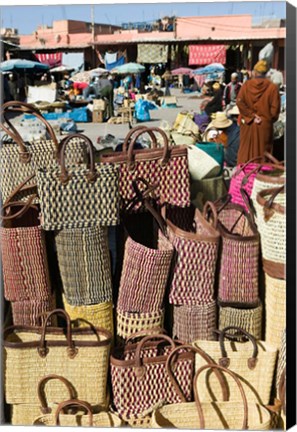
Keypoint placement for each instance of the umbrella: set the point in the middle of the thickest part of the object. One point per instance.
(129, 68)
(182, 71)
(88, 75)
(209, 69)
(17, 64)
(98, 72)
(62, 68)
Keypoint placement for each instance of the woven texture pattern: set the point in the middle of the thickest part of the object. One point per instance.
(99, 315)
(14, 172)
(78, 203)
(269, 181)
(134, 396)
(103, 419)
(26, 312)
(129, 323)
(144, 277)
(257, 382)
(281, 362)
(25, 267)
(194, 322)
(236, 182)
(25, 414)
(84, 263)
(249, 320)
(273, 230)
(173, 179)
(239, 260)
(275, 306)
(194, 267)
(217, 415)
(24, 368)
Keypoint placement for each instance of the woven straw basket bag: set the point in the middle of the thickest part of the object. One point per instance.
(253, 362)
(130, 323)
(195, 322)
(201, 165)
(275, 307)
(98, 418)
(269, 179)
(98, 315)
(271, 221)
(20, 160)
(213, 415)
(249, 319)
(25, 414)
(33, 352)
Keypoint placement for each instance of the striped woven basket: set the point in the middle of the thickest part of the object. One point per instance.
(129, 323)
(33, 312)
(195, 322)
(239, 257)
(281, 362)
(272, 179)
(275, 307)
(98, 315)
(249, 319)
(270, 208)
(196, 251)
(239, 414)
(84, 262)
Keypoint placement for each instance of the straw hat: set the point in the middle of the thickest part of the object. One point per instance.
(234, 110)
(221, 121)
(261, 66)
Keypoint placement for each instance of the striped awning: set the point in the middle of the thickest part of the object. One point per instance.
(52, 59)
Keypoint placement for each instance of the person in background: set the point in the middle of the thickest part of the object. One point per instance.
(245, 74)
(259, 106)
(215, 104)
(13, 87)
(104, 89)
(276, 77)
(233, 134)
(231, 92)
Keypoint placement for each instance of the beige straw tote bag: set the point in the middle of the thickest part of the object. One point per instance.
(80, 355)
(253, 362)
(275, 307)
(131, 323)
(95, 418)
(25, 414)
(201, 165)
(239, 414)
(268, 180)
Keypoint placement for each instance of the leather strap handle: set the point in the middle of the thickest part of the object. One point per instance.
(205, 356)
(143, 333)
(71, 350)
(137, 129)
(45, 409)
(65, 176)
(139, 368)
(248, 202)
(267, 156)
(77, 403)
(269, 206)
(225, 360)
(197, 400)
(17, 106)
(166, 154)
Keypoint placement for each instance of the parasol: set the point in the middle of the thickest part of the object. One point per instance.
(21, 64)
(127, 68)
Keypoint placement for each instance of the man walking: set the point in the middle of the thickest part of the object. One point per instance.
(259, 106)
(231, 92)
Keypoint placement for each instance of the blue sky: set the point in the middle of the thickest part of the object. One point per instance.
(13, 16)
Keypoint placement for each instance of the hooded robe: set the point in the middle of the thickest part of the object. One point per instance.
(257, 96)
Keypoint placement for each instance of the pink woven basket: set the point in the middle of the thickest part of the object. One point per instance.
(245, 175)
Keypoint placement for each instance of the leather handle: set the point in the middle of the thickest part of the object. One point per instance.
(71, 350)
(143, 333)
(17, 106)
(269, 206)
(165, 156)
(41, 390)
(139, 369)
(77, 403)
(225, 360)
(136, 129)
(258, 158)
(65, 177)
(205, 356)
(242, 393)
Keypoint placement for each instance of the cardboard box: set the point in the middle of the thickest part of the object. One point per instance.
(99, 104)
(97, 116)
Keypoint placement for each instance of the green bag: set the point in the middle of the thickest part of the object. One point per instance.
(215, 150)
